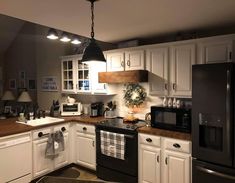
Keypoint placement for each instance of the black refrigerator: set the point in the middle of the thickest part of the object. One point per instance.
(213, 123)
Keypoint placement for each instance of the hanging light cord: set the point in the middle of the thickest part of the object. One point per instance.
(92, 19)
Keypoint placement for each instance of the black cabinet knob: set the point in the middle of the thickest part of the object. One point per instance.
(63, 129)
(176, 145)
(84, 129)
(40, 134)
(149, 140)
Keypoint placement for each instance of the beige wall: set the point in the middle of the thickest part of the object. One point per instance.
(48, 64)
(20, 56)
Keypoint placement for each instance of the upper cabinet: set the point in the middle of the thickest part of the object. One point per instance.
(157, 65)
(170, 69)
(78, 77)
(125, 60)
(215, 50)
(182, 59)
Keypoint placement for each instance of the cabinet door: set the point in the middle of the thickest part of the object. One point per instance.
(63, 158)
(41, 164)
(85, 150)
(115, 61)
(157, 65)
(176, 167)
(182, 59)
(215, 51)
(149, 164)
(134, 60)
(68, 75)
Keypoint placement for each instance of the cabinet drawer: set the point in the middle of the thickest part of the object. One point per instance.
(150, 140)
(177, 145)
(44, 131)
(86, 128)
(63, 127)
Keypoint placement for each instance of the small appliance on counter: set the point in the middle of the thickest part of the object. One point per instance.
(55, 109)
(175, 119)
(97, 109)
(71, 109)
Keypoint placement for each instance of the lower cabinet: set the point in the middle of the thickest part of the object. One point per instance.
(85, 146)
(41, 163)
(176, 167)
(150, 164)
(164, 160)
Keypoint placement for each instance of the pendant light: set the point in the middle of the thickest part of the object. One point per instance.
(92, 52)
(65, 37)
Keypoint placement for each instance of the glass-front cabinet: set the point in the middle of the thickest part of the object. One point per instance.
(78, 77)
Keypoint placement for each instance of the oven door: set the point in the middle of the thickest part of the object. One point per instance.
(113, 169)
(205, 172)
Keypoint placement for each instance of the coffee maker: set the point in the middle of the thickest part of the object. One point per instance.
(97, 109)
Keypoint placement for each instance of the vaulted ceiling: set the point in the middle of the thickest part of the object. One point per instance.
(118, 20)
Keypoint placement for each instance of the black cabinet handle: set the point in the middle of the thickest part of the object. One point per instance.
(176, 145)
(84, 129)
(40, 134)
(149, 140)
(63, 129)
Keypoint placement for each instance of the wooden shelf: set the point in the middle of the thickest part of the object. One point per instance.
(134, 76)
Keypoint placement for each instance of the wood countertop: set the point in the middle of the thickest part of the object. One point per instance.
(10, 127)
(165, 133)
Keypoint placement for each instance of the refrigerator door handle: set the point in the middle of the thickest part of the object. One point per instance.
(218, 174)
(228, 108)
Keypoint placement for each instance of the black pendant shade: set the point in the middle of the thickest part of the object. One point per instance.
(93, 52)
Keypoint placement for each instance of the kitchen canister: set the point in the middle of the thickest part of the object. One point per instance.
(164, 102)
(169, 102)
(174, 103)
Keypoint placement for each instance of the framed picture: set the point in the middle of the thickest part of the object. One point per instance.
(32, 84)
(12, 84)
(49, 83)
(7, 109)
(22, 75)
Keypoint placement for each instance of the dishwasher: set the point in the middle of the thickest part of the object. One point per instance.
(16, 158)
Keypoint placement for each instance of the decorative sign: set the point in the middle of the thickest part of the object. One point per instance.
(49, 83)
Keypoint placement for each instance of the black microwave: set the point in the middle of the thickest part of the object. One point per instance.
(175, 119)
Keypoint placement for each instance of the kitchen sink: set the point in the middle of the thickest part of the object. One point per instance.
(41, 121)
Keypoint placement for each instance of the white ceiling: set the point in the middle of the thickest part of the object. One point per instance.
(118, 20)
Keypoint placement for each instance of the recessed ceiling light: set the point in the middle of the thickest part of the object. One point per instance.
(75, 40)
(65, 37)
(52, 34)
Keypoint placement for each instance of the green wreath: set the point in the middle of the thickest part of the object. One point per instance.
(134, 95)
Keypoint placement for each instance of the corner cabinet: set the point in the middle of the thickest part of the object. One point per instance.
(133, 59)
(79, 77)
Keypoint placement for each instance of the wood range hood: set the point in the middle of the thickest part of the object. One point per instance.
(133, 76)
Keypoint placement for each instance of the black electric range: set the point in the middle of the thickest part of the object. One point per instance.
(117, 170)
(118, 125)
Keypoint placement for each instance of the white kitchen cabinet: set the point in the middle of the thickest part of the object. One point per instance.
(80, 77)
(164, 160)
(176, 167)
(16, 158)
(149, 159)
(157, 64)
(85, 146)
(215, 50)
(181, 60)
(42, 164)
(126, 60)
